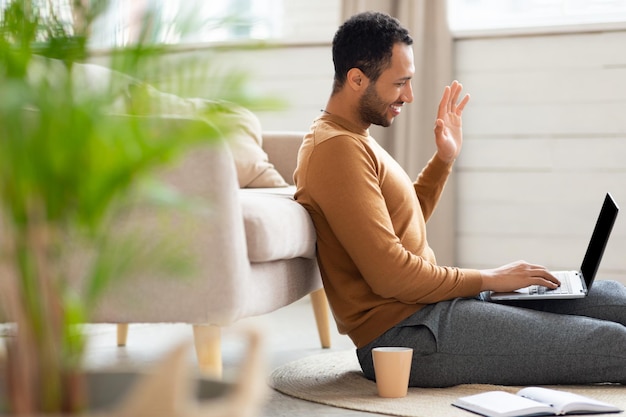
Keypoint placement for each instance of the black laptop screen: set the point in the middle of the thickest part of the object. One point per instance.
(599, 239)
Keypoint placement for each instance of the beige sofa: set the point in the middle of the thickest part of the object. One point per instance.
(254, 251)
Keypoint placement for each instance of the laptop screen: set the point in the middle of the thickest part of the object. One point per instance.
(599, 239)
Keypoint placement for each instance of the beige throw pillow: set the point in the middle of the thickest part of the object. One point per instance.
(241, 126)
(242, 129)
(245, 141)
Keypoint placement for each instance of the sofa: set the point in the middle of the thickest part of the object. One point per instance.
(253, 247)
(248, 247)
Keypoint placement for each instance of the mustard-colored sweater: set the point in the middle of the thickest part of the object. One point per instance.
(370, 219)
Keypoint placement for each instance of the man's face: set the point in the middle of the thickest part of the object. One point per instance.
(382, 100)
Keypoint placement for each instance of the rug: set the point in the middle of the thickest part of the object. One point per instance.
(335, 379)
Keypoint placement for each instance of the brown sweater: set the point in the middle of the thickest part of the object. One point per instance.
(370, 220)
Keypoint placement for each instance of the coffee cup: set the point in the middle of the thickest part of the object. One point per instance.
(392, 367)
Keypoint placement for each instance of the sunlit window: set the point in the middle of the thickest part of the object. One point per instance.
(467, 16)
(202, 21)
(188, 21)
(58, 10)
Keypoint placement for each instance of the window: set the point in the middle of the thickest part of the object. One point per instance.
(58, 11)
(468, 17)
(203, 21)
(188, 21)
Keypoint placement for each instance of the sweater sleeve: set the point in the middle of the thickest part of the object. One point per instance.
(430, 184)
(344, 179)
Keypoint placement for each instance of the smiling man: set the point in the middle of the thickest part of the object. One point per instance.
(381, 277)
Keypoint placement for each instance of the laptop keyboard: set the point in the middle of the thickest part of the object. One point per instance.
(565, 287)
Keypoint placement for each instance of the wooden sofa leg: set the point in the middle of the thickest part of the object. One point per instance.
(322, 316)
(208, 342)
(122, 334)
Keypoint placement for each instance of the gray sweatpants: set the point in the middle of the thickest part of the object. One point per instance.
(464, 341)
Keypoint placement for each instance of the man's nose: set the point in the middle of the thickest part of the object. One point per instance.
(407, 94)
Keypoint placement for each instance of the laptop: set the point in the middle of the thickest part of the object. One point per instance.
(574, 284)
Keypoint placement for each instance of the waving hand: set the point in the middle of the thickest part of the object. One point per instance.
(448, 132)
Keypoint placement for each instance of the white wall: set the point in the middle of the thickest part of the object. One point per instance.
(300, 76)
(545, 138)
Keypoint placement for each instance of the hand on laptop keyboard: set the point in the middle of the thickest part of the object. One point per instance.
(517, 275)
(564, 288)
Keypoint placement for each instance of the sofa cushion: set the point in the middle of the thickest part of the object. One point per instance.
(277, 227)
(243, 130)
(245, 140)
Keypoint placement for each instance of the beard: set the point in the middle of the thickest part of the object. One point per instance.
(372, 109)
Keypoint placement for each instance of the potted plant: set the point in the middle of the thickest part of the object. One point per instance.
(66, 172)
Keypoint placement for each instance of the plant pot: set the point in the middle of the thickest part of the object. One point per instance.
(172, 388)
(106, 390)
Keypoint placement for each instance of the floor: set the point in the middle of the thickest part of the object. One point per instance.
(291, 334)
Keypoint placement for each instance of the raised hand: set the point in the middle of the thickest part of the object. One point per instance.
(448, 132)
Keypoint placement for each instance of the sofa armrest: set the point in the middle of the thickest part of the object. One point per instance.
(282, 150)
(210, 233)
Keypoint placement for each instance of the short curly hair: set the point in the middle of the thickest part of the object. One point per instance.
(365, 41)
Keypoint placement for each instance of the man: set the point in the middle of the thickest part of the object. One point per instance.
(381, 277)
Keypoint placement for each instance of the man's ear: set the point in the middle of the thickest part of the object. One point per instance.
(356, 79)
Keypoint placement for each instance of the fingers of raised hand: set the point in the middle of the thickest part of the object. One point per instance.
(461, 106)
(444, 103)
(454, 105)
(455, 90)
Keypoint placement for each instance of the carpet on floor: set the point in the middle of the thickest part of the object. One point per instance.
(335, 379)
